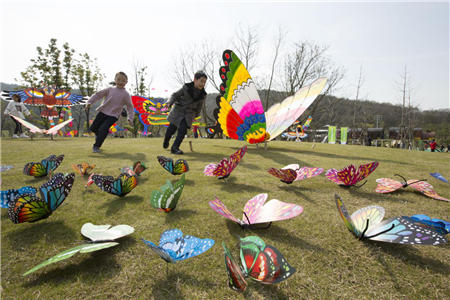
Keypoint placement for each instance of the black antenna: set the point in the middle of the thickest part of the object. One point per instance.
(358, 186)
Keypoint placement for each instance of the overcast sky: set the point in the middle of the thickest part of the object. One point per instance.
(382, 37)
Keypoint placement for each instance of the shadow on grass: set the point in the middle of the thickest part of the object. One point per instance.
(177, 214)
(37, 181)
(97, 266)
(268, 291)
(119, 203)
(229, 185)
(205, 157)
(52, 231)
(376, 197)
(119, 155)
(297, 190)
(168, 285)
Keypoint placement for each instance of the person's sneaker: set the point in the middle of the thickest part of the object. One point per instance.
(23, 135)
(176, 151)
(166, 144)
(15, 136)
(96, 149)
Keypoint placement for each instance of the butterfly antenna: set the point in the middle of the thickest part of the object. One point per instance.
(248, 220)
(358, 186)
(392, 227)
(404, 179)
(365, 229)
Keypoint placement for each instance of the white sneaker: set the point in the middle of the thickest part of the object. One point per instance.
(23, 135)
(15, 136)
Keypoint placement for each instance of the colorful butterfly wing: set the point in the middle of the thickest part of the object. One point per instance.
(253, 207)
(236, 278)
(166, 163)
(85, 248)
(441, 226)
(181, 166)
(209, 169)
(190, 246)
(347, 175)
(369, 216)
(139, 167)
(52, 162)
(167, 199)
(344, 214)
(439, 176)
(83, 168)
(285, 175)
(387, 185)
(426, 188)
(434, 195)
(158, 250)
(241, 113)
(275, 210)
(55, 191)
(9, 195)
(28, 208)
(280, 117)
(35, 169)
(307, 172)
(365, 170)
(107, 183)
(128, 182)
(404, 230)
(221, 209)
(332, 175)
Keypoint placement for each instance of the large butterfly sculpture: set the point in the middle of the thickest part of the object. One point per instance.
(46, 95)
(83, 169)
(167, 199)
(153, 111)
(174, 247)
(350, 176)
(293, 172)
(261, 262)
(29, 208)
(441, 226)
(101, 236)
(43, 168)
(367, 223)
(439, 176)
(224, 168)
(179, 167)
(241, 113)
(388, 185)
(9, 195)
(119, 186)
(257, 211)
(137, 168)
(34, 129)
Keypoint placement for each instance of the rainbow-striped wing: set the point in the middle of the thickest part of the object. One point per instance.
(285, 175)
(35, 169)
(307, 172)
(256, 211)
(28, 208)
(262, 262)
(180, 166)
(236, 278)
(241, 113)
(128, 183)
(55, 191)
(344, 214)
(222, 210)
(282, 115)
(11, 194)
(387, 185)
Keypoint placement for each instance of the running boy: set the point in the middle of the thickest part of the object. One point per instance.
(109, 111)
(17, 108)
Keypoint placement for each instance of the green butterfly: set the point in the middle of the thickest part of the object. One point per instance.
(167, 199)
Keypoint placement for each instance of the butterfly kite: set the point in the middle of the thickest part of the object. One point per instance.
(261, 262)
(34, 129)
(167, 199)
(119, 186)
(29, 208)
(349, 176)
(153, 111)
(101, 236)
(293, 172)
(224, 168)
(137, 169)
(388, 185)
(439, 176)
(257, 211)
(179, 167)
(9, 195)
(240, 111)
(174, 247)
(43, 168)
(367, 223)
(299, 133)
(441, 226)
(83, 169)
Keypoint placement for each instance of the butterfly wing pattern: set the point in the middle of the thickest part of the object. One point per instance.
(43, 168)
(83, 169)
(224, 168)
(167, 199)
(350, 176)
(119, 186)
(9, 195)
(179, 167)
(366, 223)
(174, 247)
(388, 185)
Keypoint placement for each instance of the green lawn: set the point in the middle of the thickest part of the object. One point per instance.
(330, 262)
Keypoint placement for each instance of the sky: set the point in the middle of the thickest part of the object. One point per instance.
(380, 38)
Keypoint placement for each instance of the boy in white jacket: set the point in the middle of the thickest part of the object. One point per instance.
(17, 109)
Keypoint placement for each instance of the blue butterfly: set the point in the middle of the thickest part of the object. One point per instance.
(441, 226)
(366, 223)
(173, 246)
(56, 189)
(10, 195)
(439, 176)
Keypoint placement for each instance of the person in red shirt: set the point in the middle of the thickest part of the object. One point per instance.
(433, 145)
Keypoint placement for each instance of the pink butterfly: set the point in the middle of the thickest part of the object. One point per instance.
(256, 212)
(224, 168)
(388, 185)
(293, 172)
(54, 130)
(349, 176)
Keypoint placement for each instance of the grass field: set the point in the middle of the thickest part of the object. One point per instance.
(330, 262)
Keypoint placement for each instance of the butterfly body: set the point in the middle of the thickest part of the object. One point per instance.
(224, 168)
(293, 172)
(83, 169)
(350, 176)
(179, 167)
(43, 168)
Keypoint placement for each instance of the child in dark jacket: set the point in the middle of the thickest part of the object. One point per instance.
(188, 103)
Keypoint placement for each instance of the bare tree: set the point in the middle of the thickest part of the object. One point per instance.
(404, 84)
(278, 42)
(246, 44)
